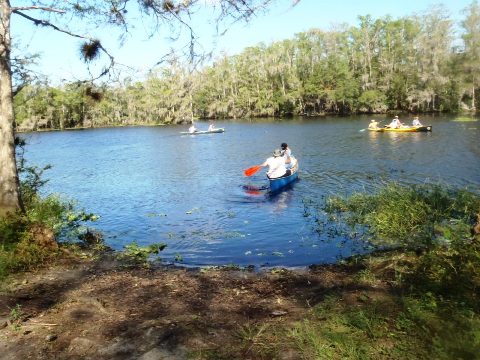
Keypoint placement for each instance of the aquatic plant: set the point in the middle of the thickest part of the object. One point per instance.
(417, 216)
(135, 254)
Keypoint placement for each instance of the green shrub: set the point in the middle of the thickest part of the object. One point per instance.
(29, 239)
(450, 271)
(448, 330)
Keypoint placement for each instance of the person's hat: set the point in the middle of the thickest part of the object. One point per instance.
(277, 153)
(396, 116)
(372, 120)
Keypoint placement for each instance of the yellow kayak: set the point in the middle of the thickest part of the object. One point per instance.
(404, 129)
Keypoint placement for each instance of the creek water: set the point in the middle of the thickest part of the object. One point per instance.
(152, 184)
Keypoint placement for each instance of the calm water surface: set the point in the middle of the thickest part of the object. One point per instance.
(151, 184)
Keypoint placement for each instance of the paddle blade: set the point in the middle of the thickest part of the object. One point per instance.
(252, 170)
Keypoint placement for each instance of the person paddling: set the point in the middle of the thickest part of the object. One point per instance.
(192, 128)
(276, 165)
(416, 122)
(373, 124)
(395, 124)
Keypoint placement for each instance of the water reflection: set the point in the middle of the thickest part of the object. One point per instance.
(281, 199)
(399, 136)
(255, 190)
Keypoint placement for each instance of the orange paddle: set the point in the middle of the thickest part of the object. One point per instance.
(252, 170)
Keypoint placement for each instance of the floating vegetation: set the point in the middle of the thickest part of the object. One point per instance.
(233, 234)
(178, 257)
(206, 235)
(226, 213)
(465, 119)
(136, 254)
(195, 209)
(155, 214)
(228, 267)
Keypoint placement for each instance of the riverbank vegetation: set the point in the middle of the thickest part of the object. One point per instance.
(441, 226)
(412, 64)
(416, 296)
(29, 239)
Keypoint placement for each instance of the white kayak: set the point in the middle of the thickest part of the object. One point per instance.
(215, 131)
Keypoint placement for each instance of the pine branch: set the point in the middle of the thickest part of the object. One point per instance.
(22, 8)
(40, 22)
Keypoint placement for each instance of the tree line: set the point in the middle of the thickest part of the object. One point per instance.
(414, 64)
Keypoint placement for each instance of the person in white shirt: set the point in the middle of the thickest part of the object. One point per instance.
(211, 127)
(276, 165)
(192, 129)
(395, 124)
(373, 124)
(416, 122)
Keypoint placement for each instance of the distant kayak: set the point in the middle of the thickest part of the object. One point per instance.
(405, 129)
(215, 131)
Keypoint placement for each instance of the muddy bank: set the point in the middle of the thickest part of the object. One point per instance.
(101, 310)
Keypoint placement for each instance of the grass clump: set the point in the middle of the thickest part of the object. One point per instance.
(15, 317)
(337, 330)
(416, 216)
(435, 220)
(430, 259)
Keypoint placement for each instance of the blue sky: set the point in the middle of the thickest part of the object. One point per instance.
(60, 55)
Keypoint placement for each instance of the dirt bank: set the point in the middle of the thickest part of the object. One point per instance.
(101, 310)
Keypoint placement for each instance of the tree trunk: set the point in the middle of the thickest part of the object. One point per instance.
(9, 184)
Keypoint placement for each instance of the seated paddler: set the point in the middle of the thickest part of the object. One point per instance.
(276, 165)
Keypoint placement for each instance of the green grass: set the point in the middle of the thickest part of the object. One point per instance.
(29, 240)
(430, 308)
(410, 320)
(415, 329)
(408, 216)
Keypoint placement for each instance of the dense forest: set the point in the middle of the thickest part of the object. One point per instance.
(419, 63)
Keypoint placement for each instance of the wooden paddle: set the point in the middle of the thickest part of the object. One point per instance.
(252, 170)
